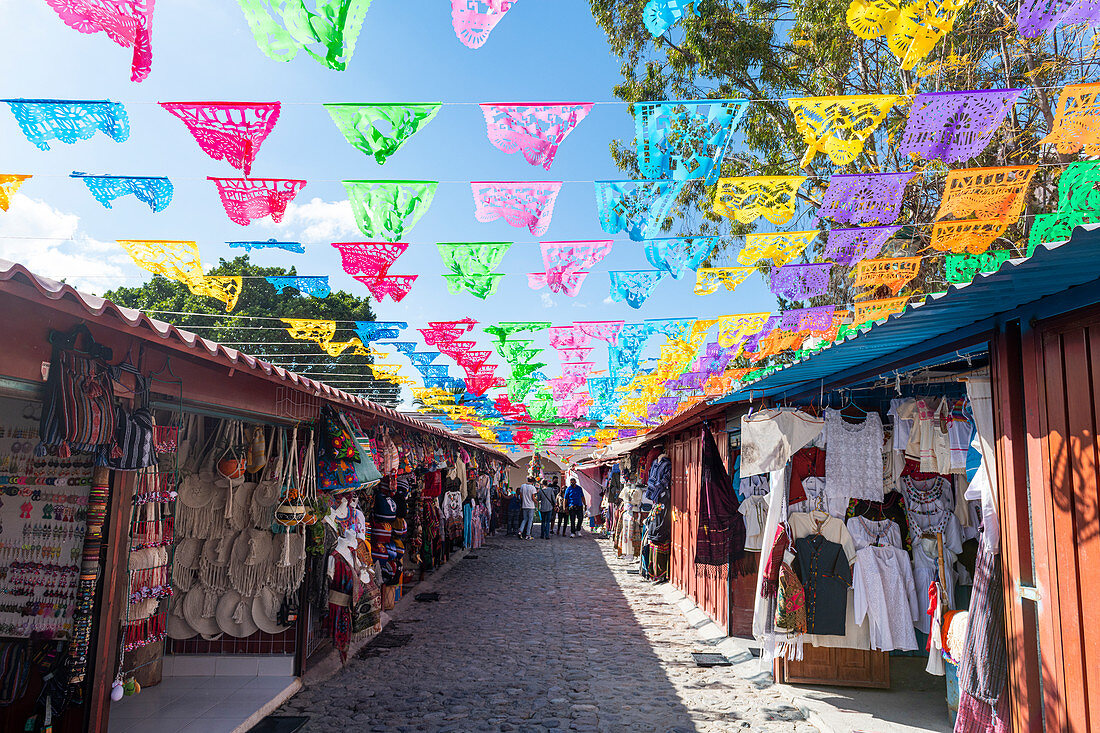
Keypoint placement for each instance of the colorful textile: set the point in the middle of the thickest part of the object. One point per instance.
(472, 24)
(156, 192)
(677, 255)
(986, 193)
(892, 272)
(315, 286)
(381, 129)
(660, 15)
(720, 539)
(954, 126)
(566, 264)
(800, 282)
(846, 247)
(638, 208)
(377, 330)
(394, 286)
(1035, 17)
(685, 139)
(911, 29)
(248, 199)
(634, 286)
(248, 246)
(779, 247)
(1076, 128)
(229, 131)
(126, 22)
(972, 236)
(9, 184)
(521, 204)
(838, 126)
(876, 310)
(370, 258)
(44, 120)
(963, 268)
(388, 209)
(747, 198)
(870, 198)
(534, 130)
(707, 279)
(328, 33)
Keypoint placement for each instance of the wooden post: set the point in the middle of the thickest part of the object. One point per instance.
(113, 576)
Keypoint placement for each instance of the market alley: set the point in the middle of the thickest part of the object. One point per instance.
(539, 635)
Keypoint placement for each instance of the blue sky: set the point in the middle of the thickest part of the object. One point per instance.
(407, 52)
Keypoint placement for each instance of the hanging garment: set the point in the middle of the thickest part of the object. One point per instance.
(853, 462)
(885, 597)
(823, 569)
(901, 410)
(753, 486)
(770, 437)
(983, 484)
(867, 532)
(809, 461)
(804, 524)
(819, 499)
(926, 564)
(755, 511)
(983, 669)
(892, 507)
(721, 530)
(928, 440)
(959, 432)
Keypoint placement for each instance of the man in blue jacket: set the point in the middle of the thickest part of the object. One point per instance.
(574, 502)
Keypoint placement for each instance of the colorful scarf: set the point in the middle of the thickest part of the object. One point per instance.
(721, 537)
(769, 586)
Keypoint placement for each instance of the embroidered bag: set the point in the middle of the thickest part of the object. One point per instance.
(790, 606)
(78, 411)
(135, 445)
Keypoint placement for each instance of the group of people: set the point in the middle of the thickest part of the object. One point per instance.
(548, 502)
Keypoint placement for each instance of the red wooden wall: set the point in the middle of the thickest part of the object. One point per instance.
(709, 588)
(1062, 397)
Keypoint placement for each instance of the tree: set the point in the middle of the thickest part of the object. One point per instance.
(770, 51)
(253, 326)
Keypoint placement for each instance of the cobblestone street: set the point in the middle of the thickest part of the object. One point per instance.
(540, 635)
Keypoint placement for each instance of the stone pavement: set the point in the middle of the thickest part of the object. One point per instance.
(539, 635)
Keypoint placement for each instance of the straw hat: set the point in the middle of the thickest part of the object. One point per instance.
(177, 626)
(199, 608)
(195, 491)
(234, 615)
(265, 611)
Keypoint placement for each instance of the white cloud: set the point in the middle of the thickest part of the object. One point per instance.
(317, 221)
(609, 300)
(547, 301)
(49, 242)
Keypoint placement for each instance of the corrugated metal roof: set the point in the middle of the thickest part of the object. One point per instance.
(14, 278)
(960, 311)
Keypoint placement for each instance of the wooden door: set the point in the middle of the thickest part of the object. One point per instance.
(1062, 383)
(679, 559)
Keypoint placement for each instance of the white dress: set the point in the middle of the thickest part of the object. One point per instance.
(853, 461)
(866, 532)
(885, 597)
(770, 437)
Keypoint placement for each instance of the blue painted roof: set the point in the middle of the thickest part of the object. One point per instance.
(968, 310)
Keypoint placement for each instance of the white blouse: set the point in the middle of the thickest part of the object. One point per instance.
(853, 461)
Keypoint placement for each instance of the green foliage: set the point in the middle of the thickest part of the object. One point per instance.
(767, 50)
(260, 334)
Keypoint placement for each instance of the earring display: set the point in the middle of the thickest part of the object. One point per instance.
(43, 527)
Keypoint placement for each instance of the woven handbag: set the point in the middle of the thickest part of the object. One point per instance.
(78, 412)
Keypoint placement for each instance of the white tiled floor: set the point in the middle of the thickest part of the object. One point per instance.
(195, 704)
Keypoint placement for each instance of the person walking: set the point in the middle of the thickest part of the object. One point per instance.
(515, 509)
(561, 511)
(527, 494)
(546, 507)
(574, 502)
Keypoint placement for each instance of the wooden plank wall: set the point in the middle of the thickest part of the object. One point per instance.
(709, 588)
(1063, 415)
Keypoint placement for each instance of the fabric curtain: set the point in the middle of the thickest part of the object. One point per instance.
(984, 484)
(721, 536)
